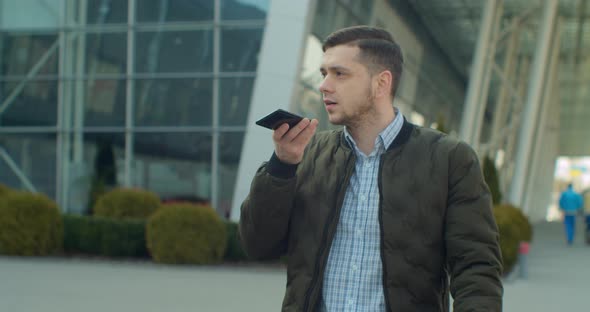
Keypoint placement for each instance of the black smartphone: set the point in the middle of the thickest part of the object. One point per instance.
(277, 118)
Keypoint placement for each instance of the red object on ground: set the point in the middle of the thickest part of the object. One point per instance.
(524, 248)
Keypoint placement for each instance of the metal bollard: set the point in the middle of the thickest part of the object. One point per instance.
(523, 252)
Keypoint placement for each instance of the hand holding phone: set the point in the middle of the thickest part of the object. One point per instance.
(279, 117)
(289, 143)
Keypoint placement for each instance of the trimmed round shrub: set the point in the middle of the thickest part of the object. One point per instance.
(186, 234)
(30, 225)
(4, 189)
(125, 203)
(522, 222)
(514, 228)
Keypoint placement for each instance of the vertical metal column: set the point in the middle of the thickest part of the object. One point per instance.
(472, 100)
(64, 117)
(485, 84)
(541, 126)
(508, 169)
(59, 151)
(533, 102)
(130, 96)
(80, 103)
(504, 97)
(216, 105)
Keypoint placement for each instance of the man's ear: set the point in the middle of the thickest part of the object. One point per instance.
(384, 83)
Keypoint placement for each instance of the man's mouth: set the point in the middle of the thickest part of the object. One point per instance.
(329, 102)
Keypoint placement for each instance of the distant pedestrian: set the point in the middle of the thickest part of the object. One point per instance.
(587, 215)
(570, 203)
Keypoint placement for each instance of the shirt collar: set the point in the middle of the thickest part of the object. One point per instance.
(385, 137)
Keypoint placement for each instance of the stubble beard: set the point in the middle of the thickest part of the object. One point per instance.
(364, 111)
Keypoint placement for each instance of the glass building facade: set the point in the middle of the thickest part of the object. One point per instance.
(138, 93)
(156, 94)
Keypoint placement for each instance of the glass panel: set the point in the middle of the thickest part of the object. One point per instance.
(34, 156)
(174, 51)
(235, 96)
(106, 12)
(244, 9)
(331, 16)
(174, 165)
(174, 10)
(19, 54)
(102, 168)
(35, 104)
(105, 102)
(362, 9)
(30, 14)
(230, 149)
(239, 49)
(106, 53)
(174, 102)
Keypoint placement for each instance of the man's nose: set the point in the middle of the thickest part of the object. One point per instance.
(325, 86)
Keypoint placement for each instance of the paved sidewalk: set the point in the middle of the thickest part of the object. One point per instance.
(559, 276)
(559, 279)
(66, 285)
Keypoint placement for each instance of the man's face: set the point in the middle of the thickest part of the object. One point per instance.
(347, 87)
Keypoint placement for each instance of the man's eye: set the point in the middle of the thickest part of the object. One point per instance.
(338, 74)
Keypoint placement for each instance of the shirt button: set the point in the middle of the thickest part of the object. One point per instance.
(354, 267)
(367, 165)
(359, 232)
(350, 302)
(363, 197)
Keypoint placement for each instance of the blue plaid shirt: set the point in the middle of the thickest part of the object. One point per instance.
(353, 277)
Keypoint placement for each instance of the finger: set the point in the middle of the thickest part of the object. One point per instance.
(279, 132)
(293, 133)
(305, 135)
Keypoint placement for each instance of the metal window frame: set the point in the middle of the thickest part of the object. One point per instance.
(70, 129)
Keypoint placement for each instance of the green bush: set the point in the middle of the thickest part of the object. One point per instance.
(186, 234)
(30, 225)
(124, 203)
(104, 236)
(234, 250)
(4, 189)
(490, 174)
(514, 228)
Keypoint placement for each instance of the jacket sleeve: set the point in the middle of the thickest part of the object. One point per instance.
(473, 252)
(264, 218)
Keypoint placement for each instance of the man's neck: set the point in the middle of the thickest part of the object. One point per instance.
(365, 133)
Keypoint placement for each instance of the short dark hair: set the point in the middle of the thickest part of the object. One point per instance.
(378, 50)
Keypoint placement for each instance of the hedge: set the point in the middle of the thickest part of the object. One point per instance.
(104, 236)
(234, 250)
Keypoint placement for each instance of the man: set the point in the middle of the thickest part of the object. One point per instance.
(378, 215)
(570, 203)
(586, 200)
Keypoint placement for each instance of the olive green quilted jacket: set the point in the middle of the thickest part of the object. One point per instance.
(438, 232)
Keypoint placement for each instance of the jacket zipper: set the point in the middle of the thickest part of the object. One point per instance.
(384, 275)
(331, 219)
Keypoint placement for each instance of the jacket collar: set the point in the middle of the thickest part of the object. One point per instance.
(402, 137)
